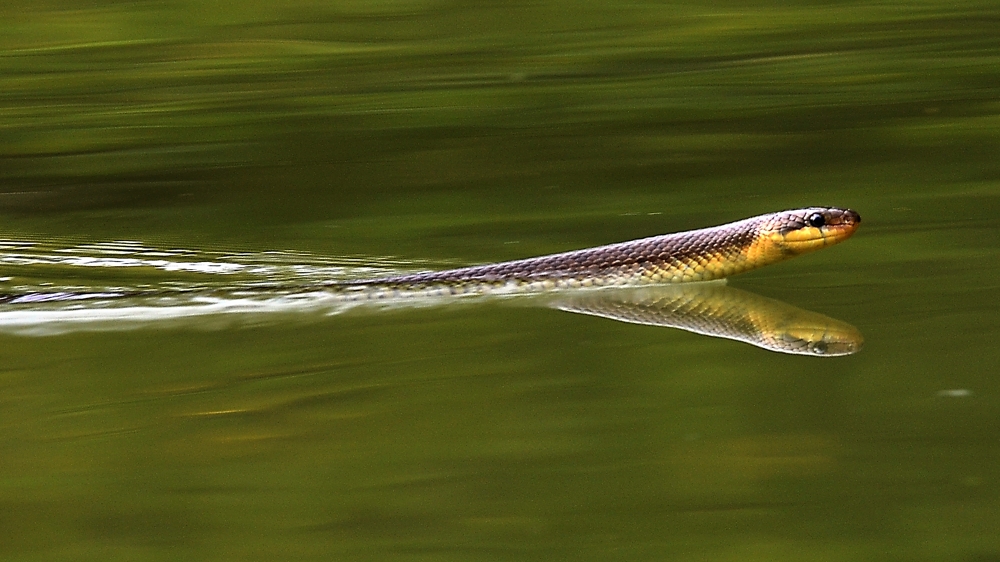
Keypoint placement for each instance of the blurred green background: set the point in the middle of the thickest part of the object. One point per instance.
(464, 132)
(246, 118)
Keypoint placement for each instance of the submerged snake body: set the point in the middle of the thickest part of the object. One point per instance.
(697, 255)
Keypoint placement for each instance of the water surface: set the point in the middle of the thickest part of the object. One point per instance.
(170, 146)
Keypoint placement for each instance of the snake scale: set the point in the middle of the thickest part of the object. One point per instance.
(697, 255)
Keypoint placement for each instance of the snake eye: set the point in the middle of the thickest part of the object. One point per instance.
(816, 220)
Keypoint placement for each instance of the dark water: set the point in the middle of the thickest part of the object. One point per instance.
(176, 146)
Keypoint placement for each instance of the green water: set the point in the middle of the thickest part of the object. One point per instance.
(396, 135)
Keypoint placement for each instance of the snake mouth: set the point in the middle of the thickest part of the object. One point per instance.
(841, 226)
(839, 232)
(842, 222)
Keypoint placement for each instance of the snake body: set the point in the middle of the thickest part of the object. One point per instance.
(698, 255)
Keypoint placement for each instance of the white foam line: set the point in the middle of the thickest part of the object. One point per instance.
(79, 318)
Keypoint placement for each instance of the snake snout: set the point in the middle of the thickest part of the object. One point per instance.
(845, 217)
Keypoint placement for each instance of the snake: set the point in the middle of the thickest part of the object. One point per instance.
(657, 276)
(705, 254)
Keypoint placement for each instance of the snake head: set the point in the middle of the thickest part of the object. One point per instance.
(805, 230)
(821, 336)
